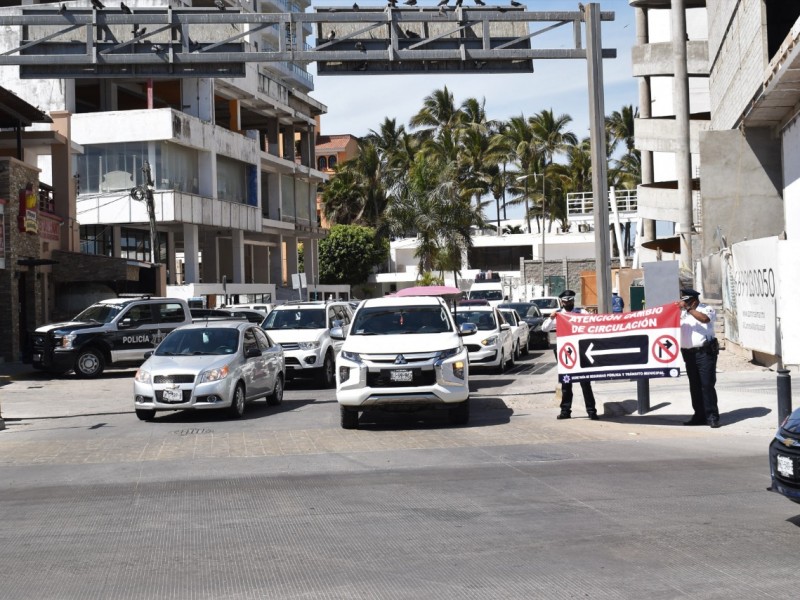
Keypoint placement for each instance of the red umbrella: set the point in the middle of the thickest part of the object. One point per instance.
(430, 290)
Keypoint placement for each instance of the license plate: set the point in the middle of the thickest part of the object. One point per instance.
(785, 466)
(172, 396)
(401, 375)
(37, 357)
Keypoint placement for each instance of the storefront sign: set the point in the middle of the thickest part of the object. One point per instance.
(28, 215)
(756, 286)
(50, 227)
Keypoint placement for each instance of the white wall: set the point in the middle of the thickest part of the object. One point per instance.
(791, 180)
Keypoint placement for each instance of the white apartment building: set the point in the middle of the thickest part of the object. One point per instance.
(231, 159)
(744, 137)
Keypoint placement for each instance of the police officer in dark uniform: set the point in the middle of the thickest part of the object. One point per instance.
(700, 348)
(567, 300)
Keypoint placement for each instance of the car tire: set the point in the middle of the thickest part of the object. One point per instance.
(459, 414)
(89, 364)
(512, 359)
(145, 414)
(276, 396)
(517, 351)
(527, 347)
(236, 409)
(501, 366)
(349, 417)
(327, 377)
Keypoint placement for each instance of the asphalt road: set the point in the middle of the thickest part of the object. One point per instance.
(285, 504)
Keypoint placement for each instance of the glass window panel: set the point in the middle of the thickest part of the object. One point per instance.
(231, 180)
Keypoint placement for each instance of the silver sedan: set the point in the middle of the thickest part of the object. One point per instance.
(214, 365)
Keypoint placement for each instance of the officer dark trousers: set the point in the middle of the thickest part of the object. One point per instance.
(588, 397)
(701, 369)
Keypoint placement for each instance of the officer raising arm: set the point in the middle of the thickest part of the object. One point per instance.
(567, 300)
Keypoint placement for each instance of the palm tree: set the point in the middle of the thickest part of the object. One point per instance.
(438, 112)
(619, 127)
(514, 140)
(552, 138)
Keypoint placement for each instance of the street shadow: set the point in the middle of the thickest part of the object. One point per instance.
(625, 411)
(479, 384)
(254, 410)
(484, 412)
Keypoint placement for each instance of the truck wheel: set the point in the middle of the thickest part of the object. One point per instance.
(349, 417)
(145, 415)
(89, 364)
(459, 414)
(327, 377)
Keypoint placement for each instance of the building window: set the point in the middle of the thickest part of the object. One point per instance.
(231, 180)
(322, 163)
(135, 245)
(331, 162)
(97, 239)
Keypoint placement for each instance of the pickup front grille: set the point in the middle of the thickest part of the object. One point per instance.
(38, 341)
(290, 346)
(382, 379)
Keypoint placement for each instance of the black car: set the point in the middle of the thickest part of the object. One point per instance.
(784, 458)
(531, 314)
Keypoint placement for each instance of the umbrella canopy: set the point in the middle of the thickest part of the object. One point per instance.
(430, 290)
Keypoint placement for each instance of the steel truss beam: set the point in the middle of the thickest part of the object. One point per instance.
(172, 42)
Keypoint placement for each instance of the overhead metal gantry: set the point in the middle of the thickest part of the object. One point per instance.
(167, 42)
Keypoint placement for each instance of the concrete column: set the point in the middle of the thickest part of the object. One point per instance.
(645, 112)
(291, 256)
(116, 242)
(197, 98)
(273, 137)
(288, 142)
(191, 253)
(237, 256)
(207, 163)
(312, 260)
(683, 159)
(211, 271)
(172, 275)
(276, 263)
(306, 149)
(260, 264)
(63, 182)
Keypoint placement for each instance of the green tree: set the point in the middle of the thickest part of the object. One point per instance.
(349, 253)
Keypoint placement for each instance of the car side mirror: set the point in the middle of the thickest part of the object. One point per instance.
(252, 352)
(125, 323)
(337, 333)
(336, 323)
(505, 327)
(467, 329)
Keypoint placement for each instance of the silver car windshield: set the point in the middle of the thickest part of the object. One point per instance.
(394, 320)
(193, 342)
(309, 318)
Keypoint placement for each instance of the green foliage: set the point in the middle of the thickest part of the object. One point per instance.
(349, 253)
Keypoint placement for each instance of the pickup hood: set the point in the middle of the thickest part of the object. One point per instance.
(401, 344)
(68, 326)
(285, 336)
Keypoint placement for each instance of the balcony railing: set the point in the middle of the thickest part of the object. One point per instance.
(46, 202)
(582, 203)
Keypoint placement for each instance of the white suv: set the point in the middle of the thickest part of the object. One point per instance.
(403, 353)
(303, 331)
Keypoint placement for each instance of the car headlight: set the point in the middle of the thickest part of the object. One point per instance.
(142, 376)
(65, 341)
(445, 354)
(490, 341)
(214, 374)
(308, 345)
(354, 356)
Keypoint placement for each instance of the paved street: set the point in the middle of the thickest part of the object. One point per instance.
(286, 504)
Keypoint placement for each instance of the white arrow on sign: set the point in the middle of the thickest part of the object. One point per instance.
(590, 352)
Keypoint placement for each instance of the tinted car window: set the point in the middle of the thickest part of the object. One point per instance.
(264, 343)
(310, 318)
(249, 340)
(187, 342)
(140, 314)
(508, 315)
(401, 319)
(482, 318)
(169, 312)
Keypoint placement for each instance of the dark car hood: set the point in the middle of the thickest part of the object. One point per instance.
(792, 424)
(533, 321)
(68, 326)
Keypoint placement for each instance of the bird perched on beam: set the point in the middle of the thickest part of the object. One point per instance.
(219, 4)
(125, 8)
(331, 35)
(443, 2)
(138, 32)
(412, 34)
(360, 47)
(480, 3)
(355, 6)
(63, 8)
(516, 4)
(97, 5)
(459, 3)
(391, 4)
(410, 2)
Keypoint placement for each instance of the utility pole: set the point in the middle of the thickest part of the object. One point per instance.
(144, 193)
